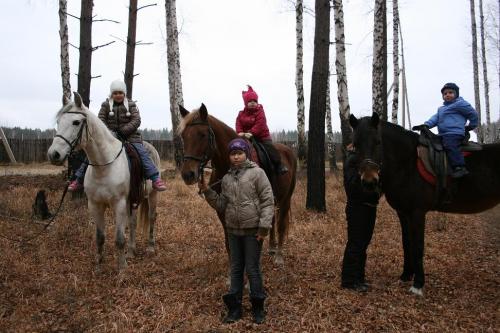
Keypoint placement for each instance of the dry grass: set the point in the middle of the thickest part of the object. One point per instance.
(52, 286)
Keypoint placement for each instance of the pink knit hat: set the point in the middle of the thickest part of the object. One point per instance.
(249, 95)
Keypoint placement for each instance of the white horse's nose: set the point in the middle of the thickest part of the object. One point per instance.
(54, 156)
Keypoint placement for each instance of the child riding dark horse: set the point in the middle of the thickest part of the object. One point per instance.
(251, 122)
(391, 151)
(450, 120)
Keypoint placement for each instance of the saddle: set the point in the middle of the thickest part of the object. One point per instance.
(432, 162)
(260, 156)
(136, 192)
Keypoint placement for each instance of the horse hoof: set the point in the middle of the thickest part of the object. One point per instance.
(272, 251)
(417, 291)
(150, 249)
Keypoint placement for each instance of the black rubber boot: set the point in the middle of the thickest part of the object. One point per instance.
(258, 310)
(233, 304)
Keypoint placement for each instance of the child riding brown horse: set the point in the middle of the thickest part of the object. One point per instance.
(206, 139)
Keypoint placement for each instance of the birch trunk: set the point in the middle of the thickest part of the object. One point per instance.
(395, 60)
(131, 39)
(299, 83)
(316, 141)
(341, 69)
(332, 160)
(379, 67)
(174, 76)
(85, 61)
(63, 34)
(476, 70)
(485, 75)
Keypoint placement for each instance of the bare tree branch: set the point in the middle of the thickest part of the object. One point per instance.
(76, 47)
(73, 16)
(136, 74)
(106, 20)
(99, 46)
(95, 77)
(152, 4)
(119, 39)
(143, 43)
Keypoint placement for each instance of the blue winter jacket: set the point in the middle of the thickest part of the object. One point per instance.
(452, 117)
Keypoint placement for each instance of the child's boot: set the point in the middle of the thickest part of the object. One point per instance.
(74, 186)
(234, 311)
(258, 310)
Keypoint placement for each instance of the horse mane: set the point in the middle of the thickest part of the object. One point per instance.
(195, 115)
(64, 109)
(394, 130)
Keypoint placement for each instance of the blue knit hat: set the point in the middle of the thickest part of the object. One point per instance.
(239, 144)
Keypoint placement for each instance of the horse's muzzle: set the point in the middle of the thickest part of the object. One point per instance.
(55, 157)
(189, 177)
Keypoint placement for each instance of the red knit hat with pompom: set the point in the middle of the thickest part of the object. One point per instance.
(249, 95)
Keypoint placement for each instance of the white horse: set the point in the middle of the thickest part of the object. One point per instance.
(107, 180)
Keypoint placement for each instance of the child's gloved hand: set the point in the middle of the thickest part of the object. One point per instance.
(241, 134)
(248, 135)
(203, 184)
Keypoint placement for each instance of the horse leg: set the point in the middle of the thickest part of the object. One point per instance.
(132, 229)
(272, 237)
(152, 202)
(417, 234)
(97, 212)
(408, 271)
(282, 221)
(121, 217)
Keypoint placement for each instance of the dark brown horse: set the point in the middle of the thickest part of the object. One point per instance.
(206, 139)
(391, 151)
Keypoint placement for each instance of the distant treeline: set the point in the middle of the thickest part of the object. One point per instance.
(147, 134)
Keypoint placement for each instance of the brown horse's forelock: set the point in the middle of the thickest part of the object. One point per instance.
(188, 119)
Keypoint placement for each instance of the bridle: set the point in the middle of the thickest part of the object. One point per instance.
(211, 148)
(73, 144)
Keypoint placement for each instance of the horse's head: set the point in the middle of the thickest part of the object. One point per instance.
(199, 142)
(70, 125)
(367, 142)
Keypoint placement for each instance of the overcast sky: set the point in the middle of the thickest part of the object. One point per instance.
(224, 45)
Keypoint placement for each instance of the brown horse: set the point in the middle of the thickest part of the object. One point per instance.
(206, 139)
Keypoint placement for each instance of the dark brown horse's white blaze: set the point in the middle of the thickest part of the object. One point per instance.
(205, 139)
(393, 150)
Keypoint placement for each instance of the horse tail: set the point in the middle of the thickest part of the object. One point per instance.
(143, 216)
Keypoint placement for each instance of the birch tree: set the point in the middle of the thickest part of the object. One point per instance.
(174, 76)
(395, 60)
(379, 66)
(341, 69)
(64, 53)
(299, 81)
(315, 198)
(485, 73)
(330, 144)
(475, 66)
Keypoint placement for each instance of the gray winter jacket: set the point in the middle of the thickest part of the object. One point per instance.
(246, 200)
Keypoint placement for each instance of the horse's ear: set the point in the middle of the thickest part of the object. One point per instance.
(203, 112)
(183, 111)
(65, 100)
(78, 99)
(375, 119)
(353, 121)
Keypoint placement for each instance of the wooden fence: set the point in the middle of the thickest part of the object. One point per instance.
(35, 150)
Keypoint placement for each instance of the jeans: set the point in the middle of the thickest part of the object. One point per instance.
(451, 144)
(150, 170)
(245, 255)
(360, 224)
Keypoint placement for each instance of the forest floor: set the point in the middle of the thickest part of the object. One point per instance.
(51, 284)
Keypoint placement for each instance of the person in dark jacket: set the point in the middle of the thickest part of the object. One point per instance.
(361, 212)
(122, 117)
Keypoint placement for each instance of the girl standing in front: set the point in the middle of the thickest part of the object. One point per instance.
(247, 202)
